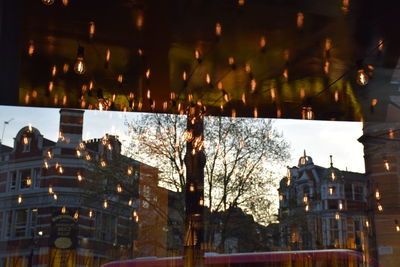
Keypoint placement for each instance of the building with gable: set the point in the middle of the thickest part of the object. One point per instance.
(64, 204)
(323, 208)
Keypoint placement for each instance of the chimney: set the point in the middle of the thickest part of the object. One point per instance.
(70, 131)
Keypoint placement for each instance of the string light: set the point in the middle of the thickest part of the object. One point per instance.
(119, 188)
(377, 194)
(386, 164)
(55, 196)
(300, 20)
(380, 207)
(54, 70)
(80, 67)
(92, 29)
(31, 48)
(362, 77)
(218, 29)
(79, 176)
(48, 2)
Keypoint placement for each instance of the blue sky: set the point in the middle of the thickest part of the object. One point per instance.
(319, 138)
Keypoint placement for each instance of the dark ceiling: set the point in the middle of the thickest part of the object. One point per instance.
(262, 62)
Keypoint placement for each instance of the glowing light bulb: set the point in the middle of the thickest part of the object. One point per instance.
(191, 188)
(31, 48)
(337, 216)
(377, 194)
(362, 77)
(76, 215)
(201, 202)
(88, 157)
(63, 210)
(48, 2)
(119, 188)
(80, 67)
(255, 113)
(263, 43)
(397, 226)
(340, 205)
(333, 175)
(253, 85)
(391, 133)
(46, 164)
(300, 20)
(51, 190)
(103, 163)
(54, 70)
(92, 29)
(197, 55)
(65, 67)
(280, 197)
(367, 223)
(386, 164)
(305, 198)
(28, 181)
(19, 200)
(380, 207)
(218, 29)
(120, 78)
(330, 190)
(380, 45)
(90, 213)
(55, 196)
(105, 204)
(78, 153)
(307, 208)
(244, 98)
(130, 202)
(79, 176)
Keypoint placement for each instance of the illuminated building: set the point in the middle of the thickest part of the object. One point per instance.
(51, 216)
(323, 208)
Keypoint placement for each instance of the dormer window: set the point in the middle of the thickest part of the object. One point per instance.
(26, 141)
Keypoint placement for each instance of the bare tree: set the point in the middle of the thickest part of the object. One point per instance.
(242, 157)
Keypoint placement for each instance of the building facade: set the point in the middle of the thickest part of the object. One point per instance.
(75, 202)
(323, 208)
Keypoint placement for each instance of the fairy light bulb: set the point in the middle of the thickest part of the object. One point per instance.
(280, 197)
(55, 196)
(80, 67)
(51, 190)
(46, 164)
(79, 176)
(48, 2)
(380, 207)
(63, 210)
(300, 20)
(208, 78)
(19, 200)
(28, 181)
(129, 171)
(54, 70)
(386, 164)
(90, 213)
(197, 55)
(148, 74)
(330, 190)
(31, 48)
(76, 215)
(255, 113)
(362, 78)
(340, 205)
(336, 96)
(397, 226)
(305, 199)
(78, 153)
(191, 188)
(380, 45)
(333, 175)
(88, 157)
(105, 204)
(263, 43)
(367, 223)
(307, 208)
(92, 29)
(377, 194)
(337, 216)
(130, 202)
(119, 188)
(253, 85)
(218, 29)
(134, 213)
(103, 163)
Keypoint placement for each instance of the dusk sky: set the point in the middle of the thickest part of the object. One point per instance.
(319, 138)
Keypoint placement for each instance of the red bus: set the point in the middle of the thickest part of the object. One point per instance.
(300, 258)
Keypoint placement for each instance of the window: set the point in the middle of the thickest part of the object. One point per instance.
(106, 227)
(21, 218)
(13, 181)
(27, 144)
(36, 177)
(333, 232)
(358, 192)
(25, 179)
(348, 191)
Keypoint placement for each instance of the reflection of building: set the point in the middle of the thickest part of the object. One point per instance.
(381, 149)
(58, 207)
(323, 208)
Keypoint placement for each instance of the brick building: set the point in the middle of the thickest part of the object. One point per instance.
(75, 202)
(323, 208)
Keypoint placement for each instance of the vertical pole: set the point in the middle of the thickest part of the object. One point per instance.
(195, 161)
